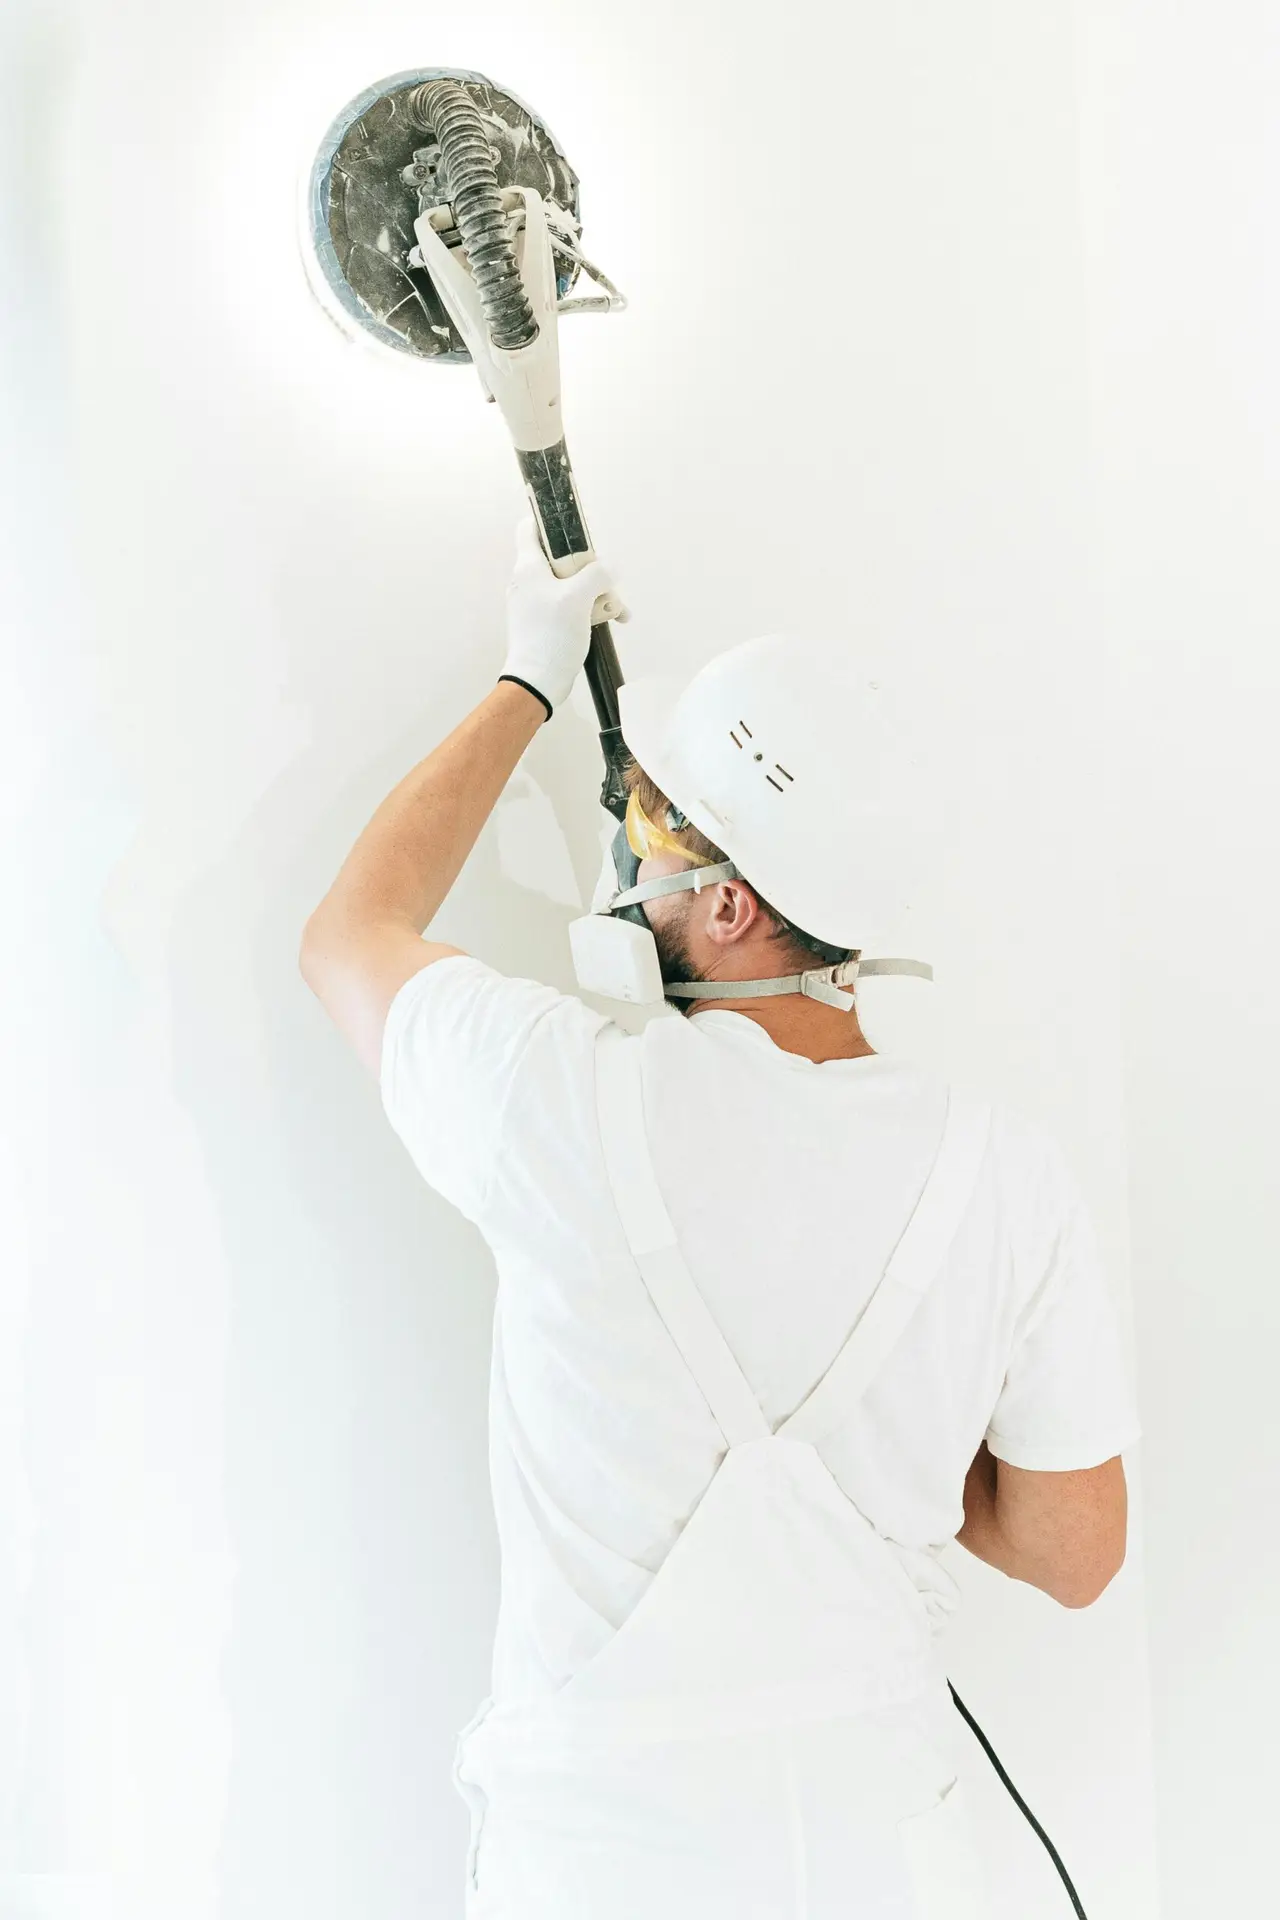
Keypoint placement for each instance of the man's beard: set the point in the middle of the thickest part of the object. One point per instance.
(675, 961)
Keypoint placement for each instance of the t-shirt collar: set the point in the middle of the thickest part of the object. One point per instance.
(740, 1026)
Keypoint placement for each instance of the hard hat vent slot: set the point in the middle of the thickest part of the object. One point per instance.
(777, 765)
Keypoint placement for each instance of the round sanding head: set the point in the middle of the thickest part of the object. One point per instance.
(375, 173)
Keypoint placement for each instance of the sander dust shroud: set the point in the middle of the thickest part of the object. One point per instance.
(442, 221)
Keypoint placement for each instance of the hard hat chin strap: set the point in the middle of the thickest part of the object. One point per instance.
(817, 983)
(827, 984)
(674, 883)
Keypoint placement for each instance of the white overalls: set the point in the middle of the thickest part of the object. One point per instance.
(760, 1740)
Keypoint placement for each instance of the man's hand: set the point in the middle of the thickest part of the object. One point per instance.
(549, 620)
(364, 940)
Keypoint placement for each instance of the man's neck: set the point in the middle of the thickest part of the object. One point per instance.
(799, 1025)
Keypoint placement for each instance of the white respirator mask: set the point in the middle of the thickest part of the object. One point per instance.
(783, 760)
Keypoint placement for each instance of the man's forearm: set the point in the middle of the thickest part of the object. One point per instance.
(416, 844)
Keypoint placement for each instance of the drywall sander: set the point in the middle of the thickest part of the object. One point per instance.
(441, 219)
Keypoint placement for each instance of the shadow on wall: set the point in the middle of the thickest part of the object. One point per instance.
(359, 1349)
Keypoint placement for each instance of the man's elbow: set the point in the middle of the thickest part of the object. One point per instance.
(319, 952)
(308, 953)
(1085, 1594)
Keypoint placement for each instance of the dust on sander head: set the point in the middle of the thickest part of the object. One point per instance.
(380, 167)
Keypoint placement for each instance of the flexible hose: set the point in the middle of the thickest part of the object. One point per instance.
(446, 110)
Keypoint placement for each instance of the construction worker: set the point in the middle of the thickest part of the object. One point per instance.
(778, 1316)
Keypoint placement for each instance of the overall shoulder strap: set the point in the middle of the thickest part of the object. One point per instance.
(652, 1240)
(912, 1267)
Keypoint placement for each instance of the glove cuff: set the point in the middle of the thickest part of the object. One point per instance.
(518, 682)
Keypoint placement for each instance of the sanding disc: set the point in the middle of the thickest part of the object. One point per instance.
(375, 173)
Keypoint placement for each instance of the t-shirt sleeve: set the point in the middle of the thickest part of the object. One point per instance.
(455, 1037)
(1067, 1401)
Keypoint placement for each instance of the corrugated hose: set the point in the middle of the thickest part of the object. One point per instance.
(446, 110)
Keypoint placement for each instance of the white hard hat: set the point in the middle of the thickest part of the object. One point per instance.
(779, 752)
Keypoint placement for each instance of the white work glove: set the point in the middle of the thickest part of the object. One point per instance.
(549, 620)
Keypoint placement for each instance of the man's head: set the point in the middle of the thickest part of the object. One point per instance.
(728, 931)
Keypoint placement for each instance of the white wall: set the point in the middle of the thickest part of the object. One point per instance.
(1181, 178)
(262, 1584)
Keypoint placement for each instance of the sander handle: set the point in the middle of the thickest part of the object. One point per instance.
(525, 384)
(562, 531)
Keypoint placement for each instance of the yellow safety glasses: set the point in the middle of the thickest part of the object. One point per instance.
(645, 839)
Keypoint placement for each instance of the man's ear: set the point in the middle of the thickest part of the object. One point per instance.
(735, 911)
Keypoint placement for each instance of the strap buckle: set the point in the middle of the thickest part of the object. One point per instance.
(825, 983)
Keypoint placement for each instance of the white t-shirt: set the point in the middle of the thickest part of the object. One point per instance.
(788, 1183)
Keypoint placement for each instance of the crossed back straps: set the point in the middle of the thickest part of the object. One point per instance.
(915, 1261)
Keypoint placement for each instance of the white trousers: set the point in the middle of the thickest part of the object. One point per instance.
(851, 1819)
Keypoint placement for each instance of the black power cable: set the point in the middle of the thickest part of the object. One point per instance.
(994, 1759)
